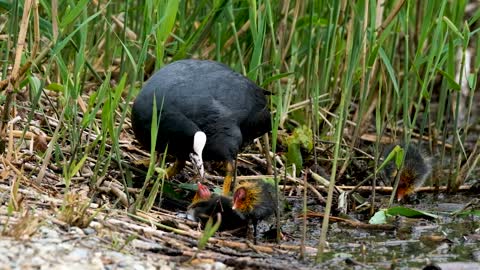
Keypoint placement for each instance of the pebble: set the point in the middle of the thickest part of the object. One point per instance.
(53, 248)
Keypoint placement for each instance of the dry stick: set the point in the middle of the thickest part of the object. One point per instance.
(11, 81)
(304, 218)
(339, 127)
(354, 223)
(10, 165)
(379, 188)
(296, 11)
(390, 17)
(54, 19)
(468, 166)
(28, 135)
(266, 152)
(230, 41)
(358, 127)
(21, 38)
(310, 186)
(390, 189)
(10, 142)
(117, 192)
(239, 178)
(24, 68)
(197, 235)
(323, 181)
(36, 29)
(32, 168)
(48, 153)
(36, 195)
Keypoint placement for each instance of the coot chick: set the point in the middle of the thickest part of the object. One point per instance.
(205, 205)
(255, 199)
(415, 170)
(202, 194)
(207, 111)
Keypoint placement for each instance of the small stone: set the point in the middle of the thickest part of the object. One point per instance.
(89, 231)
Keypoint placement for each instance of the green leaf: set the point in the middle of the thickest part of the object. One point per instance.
(269, 180)
(201, 31)
(294, 155)
(188, 186)
(35, 83)
(452, 27)
(61, 44)
(379, 218)
(171, 191)
(55, 87)
(382, 216)
(398, 156)
(470, 212)
(218, 190)
(393, 154)
(409, 212)
(209, 231)
(302, 135)
(166, 25)
(390, 69)
(450, 80)
(276, 78)
(471, 78)
(73, 13)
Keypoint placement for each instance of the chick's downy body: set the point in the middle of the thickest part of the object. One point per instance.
(205, 205)
(415, 170)
(255, 200)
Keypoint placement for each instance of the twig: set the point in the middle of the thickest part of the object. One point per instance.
(354, 223)
(390, 17)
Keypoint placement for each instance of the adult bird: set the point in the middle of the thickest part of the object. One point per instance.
(206, 111)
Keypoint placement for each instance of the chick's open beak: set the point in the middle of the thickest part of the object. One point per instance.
(198, 163)
(234, 206)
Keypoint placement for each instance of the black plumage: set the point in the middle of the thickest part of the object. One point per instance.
(206, 96)
(232, 220)
(415, 169)
(255, 199)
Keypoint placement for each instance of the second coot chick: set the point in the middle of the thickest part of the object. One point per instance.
(415, 170)
(255, 199)
(205, 205)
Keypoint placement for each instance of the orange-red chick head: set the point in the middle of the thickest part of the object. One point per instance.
(203, 193)
(410, 179)
(246, 197)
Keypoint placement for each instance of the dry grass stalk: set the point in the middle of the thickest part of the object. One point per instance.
(26, 226)
(75, 211)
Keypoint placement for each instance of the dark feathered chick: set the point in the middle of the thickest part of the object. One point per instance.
(205, 205)
(255, 200)
(415, 170)
(207, 111)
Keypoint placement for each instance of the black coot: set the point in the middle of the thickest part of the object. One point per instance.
(207, 111)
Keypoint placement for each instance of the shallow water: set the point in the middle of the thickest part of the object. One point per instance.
(413, 243)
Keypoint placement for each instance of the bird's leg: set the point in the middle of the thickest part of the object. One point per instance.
(227, 181)
(175, 168)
